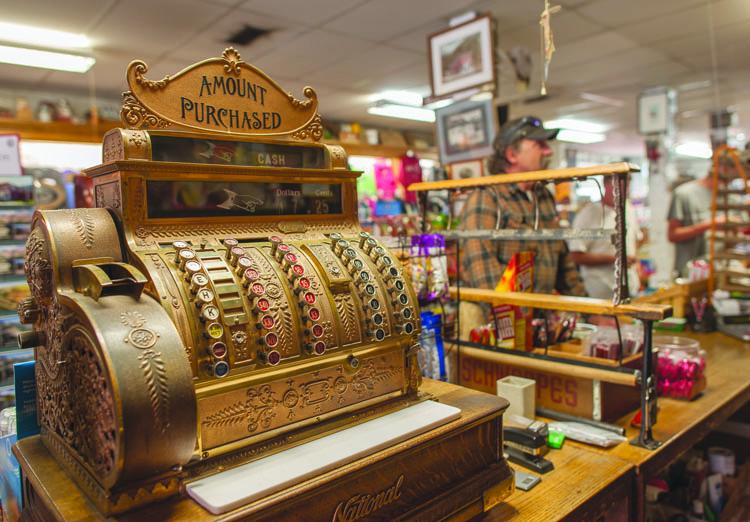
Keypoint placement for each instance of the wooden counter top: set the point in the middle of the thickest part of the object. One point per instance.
(680, 424)
(587, 479)
(582, 483)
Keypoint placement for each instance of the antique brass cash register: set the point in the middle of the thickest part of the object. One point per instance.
(222, 304)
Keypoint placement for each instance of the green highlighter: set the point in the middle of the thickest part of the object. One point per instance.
(555, 439)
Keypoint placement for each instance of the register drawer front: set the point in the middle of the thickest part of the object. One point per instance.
(257, 408)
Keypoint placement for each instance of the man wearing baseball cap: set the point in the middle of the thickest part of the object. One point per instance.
(521, 145)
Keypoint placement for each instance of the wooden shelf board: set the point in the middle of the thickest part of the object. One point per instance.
(382, 151)
(585, 305)
(538, 175)
(58, 131)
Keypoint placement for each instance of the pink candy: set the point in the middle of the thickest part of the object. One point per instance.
(679, 377)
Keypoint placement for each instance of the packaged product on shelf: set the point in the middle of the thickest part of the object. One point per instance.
(12, 293)
(606, 343)
(432, 355)
(16, 190)
(554, 328)
(10, 327)
(517, 277)
(12, 260)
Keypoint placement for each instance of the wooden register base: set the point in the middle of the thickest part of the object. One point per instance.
(453, 472)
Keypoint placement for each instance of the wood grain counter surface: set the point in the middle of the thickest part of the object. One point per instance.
(680, 424)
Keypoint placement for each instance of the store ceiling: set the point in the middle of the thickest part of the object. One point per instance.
(347, 50)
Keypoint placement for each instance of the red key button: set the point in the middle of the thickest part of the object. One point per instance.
(304, 283)
(267, 322)
(317, 330)
(263, 304)
(291, 257)
(310, 298)
(271, 339)
(251, 274)
(258, 289)
(298, 269)
(314, 314)
(319, 348)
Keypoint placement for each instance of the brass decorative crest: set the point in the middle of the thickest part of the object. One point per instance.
(219, 95)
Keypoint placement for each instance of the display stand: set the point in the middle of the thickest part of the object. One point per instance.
(620, 306)
(724, 237)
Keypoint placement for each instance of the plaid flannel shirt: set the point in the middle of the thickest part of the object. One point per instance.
(483, 261)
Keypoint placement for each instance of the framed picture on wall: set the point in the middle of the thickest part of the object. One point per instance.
(654, 111)
(462, 57)
(465, 130)
(466, 169)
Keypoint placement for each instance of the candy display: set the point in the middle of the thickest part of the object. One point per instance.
(555, 327)
(605, 341)
(429, 267)
(680, 368)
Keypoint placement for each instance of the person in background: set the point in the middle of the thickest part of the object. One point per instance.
(596, 257)
(689, 218)
(521, 145)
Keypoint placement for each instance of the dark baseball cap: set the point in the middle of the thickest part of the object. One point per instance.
(529, 127)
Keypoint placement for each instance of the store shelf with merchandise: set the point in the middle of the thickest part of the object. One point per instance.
(57, 130)
(93, 133)
(384, 151)
(546, 360)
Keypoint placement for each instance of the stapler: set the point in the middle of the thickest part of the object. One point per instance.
(527, 447)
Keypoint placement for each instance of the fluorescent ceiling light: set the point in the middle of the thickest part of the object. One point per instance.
(604, 100)
(401, 97)
(403, 111)
(482, 96)
(38, 37)
(693, 86)
(575, 125)
(694, 149)
(439, 104)
(45, 59)
(575, 136)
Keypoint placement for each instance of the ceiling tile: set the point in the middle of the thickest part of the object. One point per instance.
(526, 36)
(687, 47)
(587, 49)
(569, 26)
(144, 26)
(74, 16)
(358, 71)
(413, 77)
(602, 69)
(510, 14)
(339, 102)
(726, 12)
(682, 22)
(310, 14)
(615, 13)
(20, 75)
(310, 52)
(212, 40)
(416, 40)
(380, 20)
